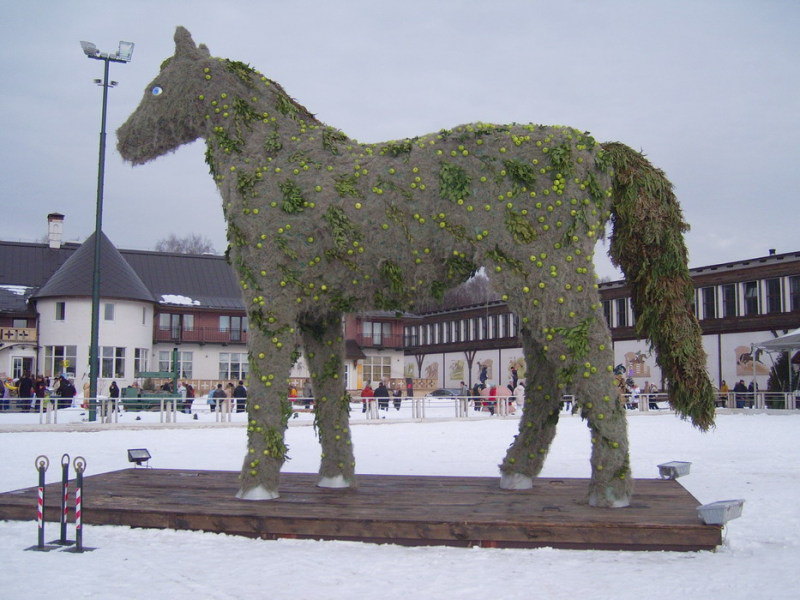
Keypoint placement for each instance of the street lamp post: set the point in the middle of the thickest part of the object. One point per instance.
(123, 55)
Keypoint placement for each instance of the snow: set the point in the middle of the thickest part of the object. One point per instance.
(749, 455)
(178, 299)
(19, 290)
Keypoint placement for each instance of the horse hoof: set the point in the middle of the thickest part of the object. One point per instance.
(599, 500)
(335, 482)
(515, 481)
(258, 492)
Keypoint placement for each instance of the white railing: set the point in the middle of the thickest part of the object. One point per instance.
(419, 408)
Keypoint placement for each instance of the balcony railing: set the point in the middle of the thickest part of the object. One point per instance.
(392, 340)
(201, 335)
(17, 334)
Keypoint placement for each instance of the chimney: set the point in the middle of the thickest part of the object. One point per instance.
(772, 251)
(55, 229)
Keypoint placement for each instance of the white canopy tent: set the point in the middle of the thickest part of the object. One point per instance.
(788, 342)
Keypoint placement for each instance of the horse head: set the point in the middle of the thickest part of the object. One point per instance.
(168, 115)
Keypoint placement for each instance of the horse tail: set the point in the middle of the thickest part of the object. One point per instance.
(647, 244)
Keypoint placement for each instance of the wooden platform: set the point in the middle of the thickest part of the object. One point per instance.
(409, 510)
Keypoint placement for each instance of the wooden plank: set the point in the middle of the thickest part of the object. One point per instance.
(416, 510)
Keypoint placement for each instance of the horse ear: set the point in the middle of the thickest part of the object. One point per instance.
(185, 46)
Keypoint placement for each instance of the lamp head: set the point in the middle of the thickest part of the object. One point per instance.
(89, 49)
(125, 52)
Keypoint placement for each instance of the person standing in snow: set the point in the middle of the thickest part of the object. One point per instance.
(398, 397)
(519, 394)
(382, 395)
(240, 394)
(367, 395)
(308, 394)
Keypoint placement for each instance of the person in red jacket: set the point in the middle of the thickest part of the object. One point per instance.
(367, 395)
(492, 398)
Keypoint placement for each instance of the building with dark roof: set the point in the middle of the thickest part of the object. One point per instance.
(154, 302)
(738, 304)
(151, 303)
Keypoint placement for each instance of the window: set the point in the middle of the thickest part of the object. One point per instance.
(455, 329)
(376, 331)
(729, 300)
(376, 368)
(622, 312)
(411, 336)
(19, 323)
(187, 323)
(750, 298)
(61, 311)
(171, 323)
(708, 300)
(184, 363)
(59, 359)
(794, 292)
(112, 362)
(492, 323)
(607, 312)
(108, 311)
(774, 300)
(233, 365)
(139, 360)
(235, 326)
(480, 328)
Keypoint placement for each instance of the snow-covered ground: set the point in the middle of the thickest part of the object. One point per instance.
(750, 456)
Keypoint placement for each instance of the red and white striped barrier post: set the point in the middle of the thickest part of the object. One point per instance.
(42, 463)
(80, 466)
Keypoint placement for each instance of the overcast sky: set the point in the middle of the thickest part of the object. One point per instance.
(707, 89)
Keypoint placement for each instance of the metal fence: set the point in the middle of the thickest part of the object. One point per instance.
(233, 410)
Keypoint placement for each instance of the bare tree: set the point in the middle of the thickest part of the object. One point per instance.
(193, 243)
(476, 290)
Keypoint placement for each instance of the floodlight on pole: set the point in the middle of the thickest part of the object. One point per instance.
(123, 55)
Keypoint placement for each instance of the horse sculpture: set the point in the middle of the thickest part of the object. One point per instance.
(320, 225)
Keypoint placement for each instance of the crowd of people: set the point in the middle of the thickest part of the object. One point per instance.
(633, 394)
(27, 392)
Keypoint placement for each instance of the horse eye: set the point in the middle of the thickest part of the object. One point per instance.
(156, 91)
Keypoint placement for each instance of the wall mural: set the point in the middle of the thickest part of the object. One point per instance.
(748, 362)
(636, 364)
(458, 370)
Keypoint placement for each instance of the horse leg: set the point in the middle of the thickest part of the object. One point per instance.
(268, 412)
(611, 484)
(537, 427)
(323, 342)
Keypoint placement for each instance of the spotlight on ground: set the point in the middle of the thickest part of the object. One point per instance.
(138, 456)
(720, 512)
(674, 469)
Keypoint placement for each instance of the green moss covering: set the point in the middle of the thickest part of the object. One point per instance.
(320, 224)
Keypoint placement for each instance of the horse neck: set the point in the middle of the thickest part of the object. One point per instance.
(260, 110)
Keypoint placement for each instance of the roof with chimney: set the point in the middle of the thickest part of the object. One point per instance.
(29, 271)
